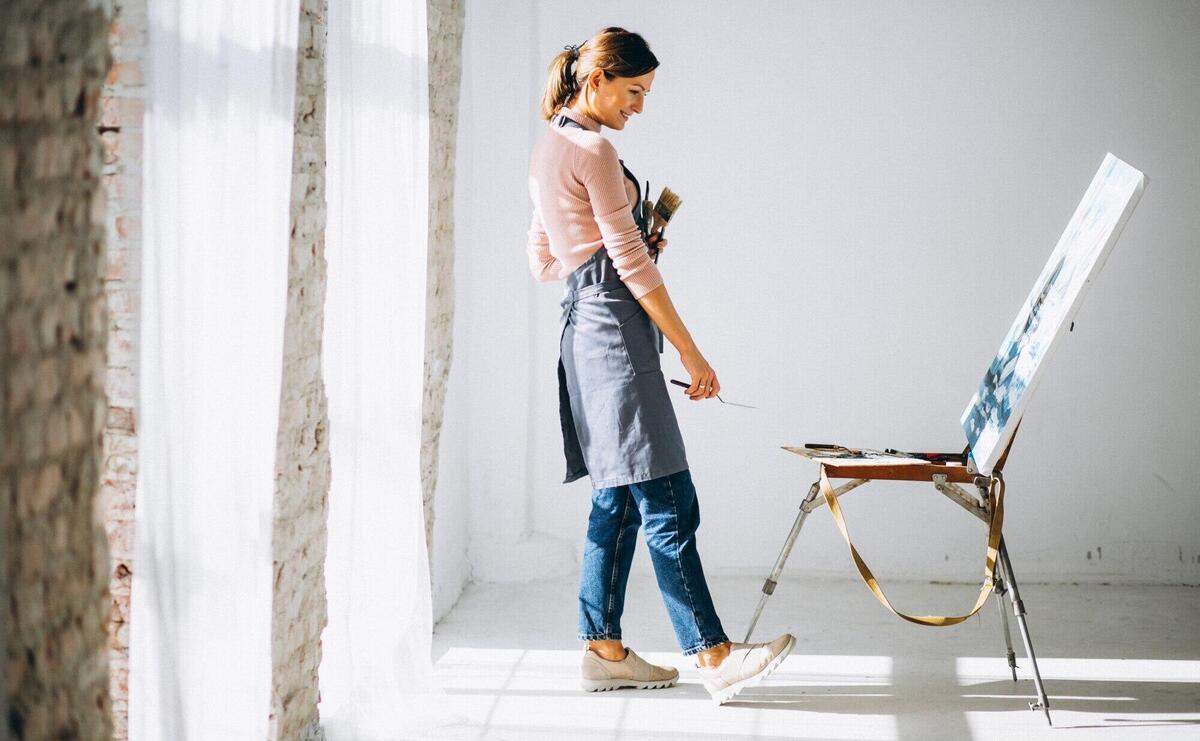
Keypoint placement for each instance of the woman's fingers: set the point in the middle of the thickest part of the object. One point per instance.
(703, 379)
(704, 386)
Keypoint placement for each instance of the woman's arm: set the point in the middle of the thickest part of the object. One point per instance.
(597, 167)
(543, 265)
(657, 304)
(602, 175)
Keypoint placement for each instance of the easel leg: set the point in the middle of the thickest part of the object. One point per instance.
(1000, 591)
(1042, 702)
(768, 587)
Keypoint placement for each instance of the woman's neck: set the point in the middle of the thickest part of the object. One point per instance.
(581, 108)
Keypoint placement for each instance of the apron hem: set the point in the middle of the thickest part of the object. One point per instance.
(575, 476)
(637, 478)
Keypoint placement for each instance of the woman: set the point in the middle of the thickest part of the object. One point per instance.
(618, 424)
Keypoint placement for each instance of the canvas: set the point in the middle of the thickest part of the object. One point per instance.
(992, 415)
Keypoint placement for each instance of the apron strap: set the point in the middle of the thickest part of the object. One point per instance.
(996, 521)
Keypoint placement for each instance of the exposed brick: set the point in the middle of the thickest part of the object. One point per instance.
(298, 533)
(114, 111)
(8, 167)
(53, 324)
(21, 336)
(445, 30)
(53, 59)
(120, 266)
(125, 73)
(57, 432)
(111, 141)
(121, 419)
(49, 380)
(37, 489)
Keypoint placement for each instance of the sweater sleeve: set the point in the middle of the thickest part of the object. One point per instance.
(544, 266)
(601, 173)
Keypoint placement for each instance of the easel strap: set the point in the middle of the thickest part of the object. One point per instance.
(995, 509)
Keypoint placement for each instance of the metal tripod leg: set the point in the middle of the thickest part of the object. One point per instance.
(1000, 591)
(768, 587)
(1042, 701)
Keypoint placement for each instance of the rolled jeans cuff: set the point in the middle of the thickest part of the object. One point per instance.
(704, 645)
(600, 636)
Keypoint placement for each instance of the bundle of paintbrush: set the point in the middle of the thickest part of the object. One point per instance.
(656, 216)
(660, 213)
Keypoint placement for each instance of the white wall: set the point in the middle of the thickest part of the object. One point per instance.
(869, 192)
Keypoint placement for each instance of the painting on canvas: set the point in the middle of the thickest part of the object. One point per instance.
(994, 411)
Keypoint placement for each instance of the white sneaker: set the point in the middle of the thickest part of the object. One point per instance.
(746, 665)
(597, 674)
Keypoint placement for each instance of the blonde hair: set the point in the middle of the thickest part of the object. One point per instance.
(615, 51)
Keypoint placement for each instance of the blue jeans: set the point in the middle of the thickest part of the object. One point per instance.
(667, 507)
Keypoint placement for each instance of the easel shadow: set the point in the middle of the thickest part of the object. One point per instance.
(1112, 698)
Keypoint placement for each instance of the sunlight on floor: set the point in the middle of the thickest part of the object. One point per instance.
(515, 693)
(837, 683)
(528, 693)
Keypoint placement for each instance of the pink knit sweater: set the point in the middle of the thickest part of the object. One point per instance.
(582, 201)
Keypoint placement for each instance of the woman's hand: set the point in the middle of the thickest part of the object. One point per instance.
(704, 379)
(657, 241)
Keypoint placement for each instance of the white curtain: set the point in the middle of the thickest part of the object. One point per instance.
(217, 175)
(376, 648)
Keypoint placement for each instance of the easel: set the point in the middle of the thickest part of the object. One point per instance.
(947, 478)
(991, 418)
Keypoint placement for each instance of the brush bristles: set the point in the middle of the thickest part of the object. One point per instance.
(668, 204)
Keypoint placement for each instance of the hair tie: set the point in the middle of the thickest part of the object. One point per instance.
(573, 49)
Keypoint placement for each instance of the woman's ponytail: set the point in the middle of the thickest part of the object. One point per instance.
(561, 85)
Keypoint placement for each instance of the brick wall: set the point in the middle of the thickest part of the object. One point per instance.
(445, 28)
(302, 469)
(122, 105)
(53, 59)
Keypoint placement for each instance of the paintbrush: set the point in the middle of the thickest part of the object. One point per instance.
(661, 213)
(730, 403)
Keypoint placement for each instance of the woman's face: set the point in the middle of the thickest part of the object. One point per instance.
(613, 102)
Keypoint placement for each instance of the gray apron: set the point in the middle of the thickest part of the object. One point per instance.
(618, 423)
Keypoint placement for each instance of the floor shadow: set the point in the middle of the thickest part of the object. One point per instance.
(998, 696)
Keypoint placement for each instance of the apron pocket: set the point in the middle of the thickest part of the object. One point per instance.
(641, 344)
(595, 345)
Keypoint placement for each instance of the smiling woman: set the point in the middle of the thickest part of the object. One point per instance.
(618, 423)
(617, 63)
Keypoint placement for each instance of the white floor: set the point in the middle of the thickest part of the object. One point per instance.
(1118, 663)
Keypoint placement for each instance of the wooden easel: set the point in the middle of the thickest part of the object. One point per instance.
(947, 477)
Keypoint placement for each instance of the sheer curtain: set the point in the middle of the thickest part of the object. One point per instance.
(376, 647)
(217, 176)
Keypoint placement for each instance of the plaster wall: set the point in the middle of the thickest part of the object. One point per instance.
(869, 193)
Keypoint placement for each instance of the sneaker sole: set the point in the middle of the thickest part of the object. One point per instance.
(604, 685)
(723, 696)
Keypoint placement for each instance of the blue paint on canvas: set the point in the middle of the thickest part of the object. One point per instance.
(994, 411)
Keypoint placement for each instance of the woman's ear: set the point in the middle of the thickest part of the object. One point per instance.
(593, 79)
